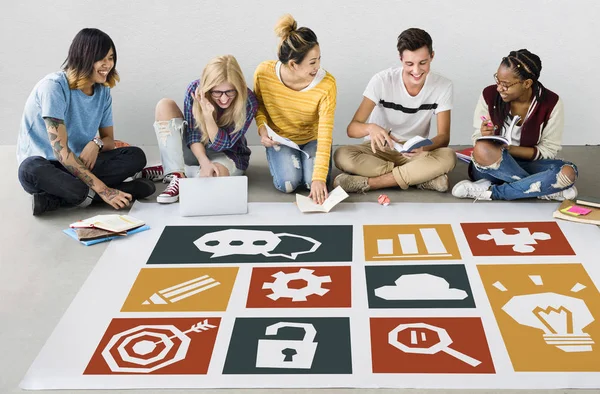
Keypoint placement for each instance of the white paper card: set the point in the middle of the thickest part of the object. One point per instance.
(283, 141)
(306, 204)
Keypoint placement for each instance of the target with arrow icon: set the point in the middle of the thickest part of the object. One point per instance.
(145, 346)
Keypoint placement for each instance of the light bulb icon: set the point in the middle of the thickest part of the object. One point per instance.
(561, 318)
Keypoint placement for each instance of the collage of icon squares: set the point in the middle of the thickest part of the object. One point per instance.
(305, 345)
(315, 345)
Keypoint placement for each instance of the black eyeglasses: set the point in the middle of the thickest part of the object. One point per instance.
(504, 85)
(216, 94)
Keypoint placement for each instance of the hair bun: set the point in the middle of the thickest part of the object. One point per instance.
(285, 25)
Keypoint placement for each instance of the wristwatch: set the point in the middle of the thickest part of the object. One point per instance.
(98, 142)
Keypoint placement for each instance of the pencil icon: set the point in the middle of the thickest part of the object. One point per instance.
(182, 291)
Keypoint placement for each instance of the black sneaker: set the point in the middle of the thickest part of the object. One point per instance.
(43, 202)
(138, 188)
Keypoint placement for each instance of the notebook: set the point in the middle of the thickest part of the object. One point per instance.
(206, 196)
(589, 201)
(506, 136)
(591, 218)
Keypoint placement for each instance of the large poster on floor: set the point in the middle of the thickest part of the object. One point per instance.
(365, 296)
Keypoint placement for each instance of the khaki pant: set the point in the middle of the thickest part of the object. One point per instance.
(360, 160)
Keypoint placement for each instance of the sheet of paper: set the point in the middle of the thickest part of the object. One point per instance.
(283, 141)
(306, 204)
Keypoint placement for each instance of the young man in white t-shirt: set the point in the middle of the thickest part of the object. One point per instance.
(398, 104)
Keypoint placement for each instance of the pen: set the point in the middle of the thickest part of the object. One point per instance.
(389, 132)
(489, 122)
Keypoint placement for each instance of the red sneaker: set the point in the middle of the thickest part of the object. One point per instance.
(171, 193)
(154, 173)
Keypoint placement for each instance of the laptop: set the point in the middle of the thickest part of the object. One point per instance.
(225, 195)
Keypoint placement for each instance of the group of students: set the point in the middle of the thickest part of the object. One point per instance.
(67, 154)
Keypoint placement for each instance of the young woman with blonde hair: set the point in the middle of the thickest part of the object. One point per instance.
(297, 100)
(66, 151)
(218, 108)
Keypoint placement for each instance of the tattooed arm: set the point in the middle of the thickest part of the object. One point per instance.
(57, 133)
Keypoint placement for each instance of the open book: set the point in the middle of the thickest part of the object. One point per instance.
(283, 141)
(306, 204)
(505, 137)
(87, 240)
(415, 142)
(113, 223)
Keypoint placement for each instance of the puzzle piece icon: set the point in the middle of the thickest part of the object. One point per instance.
(520, 242)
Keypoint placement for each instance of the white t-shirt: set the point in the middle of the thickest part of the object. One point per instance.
(406, 115)
(318, 78)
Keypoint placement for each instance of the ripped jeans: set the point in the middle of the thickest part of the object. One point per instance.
(291, 168)
(515, 178)
(170, 143)
(175, 154)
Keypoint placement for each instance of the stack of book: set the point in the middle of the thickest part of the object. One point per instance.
(583, 210)
(103, 228)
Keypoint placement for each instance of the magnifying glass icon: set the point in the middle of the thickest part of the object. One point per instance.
(418, 339)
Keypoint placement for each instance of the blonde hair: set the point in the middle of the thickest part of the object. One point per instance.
(285, 26)
(77, 80)
(294, 43)
(219, 70)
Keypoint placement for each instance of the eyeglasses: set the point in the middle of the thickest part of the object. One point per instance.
(217, 94)
(504, 85)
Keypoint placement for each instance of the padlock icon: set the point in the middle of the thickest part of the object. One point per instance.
(277, 353)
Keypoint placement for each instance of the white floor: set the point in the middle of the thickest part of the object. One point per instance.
(41, 271)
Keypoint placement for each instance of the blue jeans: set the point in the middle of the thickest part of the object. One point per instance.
(38, 175)
(514, 178)
(290, 168)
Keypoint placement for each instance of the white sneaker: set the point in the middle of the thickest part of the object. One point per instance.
(478, 190)
(171, 193)
(439, 184)
(567, 194)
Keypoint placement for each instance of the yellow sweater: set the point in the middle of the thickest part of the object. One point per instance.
(300, 116)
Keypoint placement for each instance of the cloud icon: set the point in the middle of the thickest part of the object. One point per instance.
(420, 287)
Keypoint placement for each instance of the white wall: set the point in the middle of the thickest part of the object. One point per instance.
(162, 45)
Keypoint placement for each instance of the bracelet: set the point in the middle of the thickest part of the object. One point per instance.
(98, 142)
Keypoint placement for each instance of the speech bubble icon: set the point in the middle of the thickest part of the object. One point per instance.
(236, 241)
(249, 242)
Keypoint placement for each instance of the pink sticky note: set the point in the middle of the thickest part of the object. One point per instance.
(579, 210)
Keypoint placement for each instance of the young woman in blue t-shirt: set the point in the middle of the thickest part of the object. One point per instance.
(65, 149)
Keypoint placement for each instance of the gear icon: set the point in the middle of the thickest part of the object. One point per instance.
(280, 285)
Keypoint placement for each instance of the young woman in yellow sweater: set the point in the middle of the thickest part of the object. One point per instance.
(296, 99)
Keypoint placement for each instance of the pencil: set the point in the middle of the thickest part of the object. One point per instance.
(182, 291)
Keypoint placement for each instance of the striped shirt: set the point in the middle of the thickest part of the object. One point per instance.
(301, 116)
(234, 145)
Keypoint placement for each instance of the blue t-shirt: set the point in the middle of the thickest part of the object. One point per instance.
(83, 116)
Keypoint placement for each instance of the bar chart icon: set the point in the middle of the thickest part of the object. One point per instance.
(404, 242)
